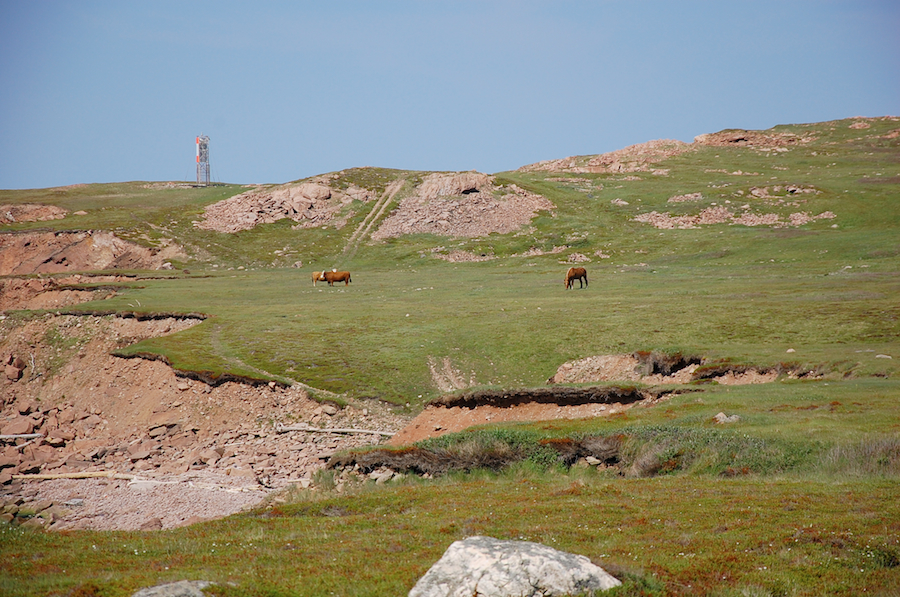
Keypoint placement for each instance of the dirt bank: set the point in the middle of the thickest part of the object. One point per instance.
(27, 253)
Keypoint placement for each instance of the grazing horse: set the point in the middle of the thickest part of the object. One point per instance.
(576, 273)
(331, 277)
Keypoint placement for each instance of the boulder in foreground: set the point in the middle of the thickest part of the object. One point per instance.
(489, 567)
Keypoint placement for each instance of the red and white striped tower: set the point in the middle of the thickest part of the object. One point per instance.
(203, 161)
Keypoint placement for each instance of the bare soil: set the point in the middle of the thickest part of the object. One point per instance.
(187, 450)
(59, 252)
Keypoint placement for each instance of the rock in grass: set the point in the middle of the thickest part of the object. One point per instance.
(723, 418)
(493, 568)
(182, 588)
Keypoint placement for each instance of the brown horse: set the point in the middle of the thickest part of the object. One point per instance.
(331, 277)
(576, 273)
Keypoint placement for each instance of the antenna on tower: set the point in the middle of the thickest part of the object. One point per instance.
(203, 161)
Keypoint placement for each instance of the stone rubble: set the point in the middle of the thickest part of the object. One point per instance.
(310, 204)
(138, 420)
(465, 204)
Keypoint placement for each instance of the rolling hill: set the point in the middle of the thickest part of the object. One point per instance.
(749, 274)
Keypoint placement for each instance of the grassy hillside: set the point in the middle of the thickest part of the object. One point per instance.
(798, 498)
(748, 293)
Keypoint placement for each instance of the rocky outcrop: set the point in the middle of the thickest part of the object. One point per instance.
(756, 139)
(57, 252)
(29, 212)
(494, 568)
(634, 158)
(723, 215)
(463, 204)
(310, 204)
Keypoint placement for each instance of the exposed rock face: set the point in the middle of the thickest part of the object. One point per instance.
(757, 139)
(29, 212)
(492, 568)
(462, 205)
(310, 204)
(57, 252)
(50, 293)
(443, 185)
(634, 158)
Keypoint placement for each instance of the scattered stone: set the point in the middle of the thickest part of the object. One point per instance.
(13, 373)
(462, 204)
(154, 524)
(181, 588)
(723, 418)
(140, 455)
(383, 477)
(18, 426)
(683, 198)
(487, 566)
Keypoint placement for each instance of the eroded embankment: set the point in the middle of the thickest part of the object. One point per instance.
(558, 395)
(456, 412)
(467, 457)
(69, 407)
(23, 253)
(661, 368)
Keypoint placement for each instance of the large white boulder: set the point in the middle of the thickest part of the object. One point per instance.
(487, 567)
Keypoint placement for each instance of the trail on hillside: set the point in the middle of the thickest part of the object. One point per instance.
(374, 215)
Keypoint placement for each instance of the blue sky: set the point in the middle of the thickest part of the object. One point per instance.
(95, 91)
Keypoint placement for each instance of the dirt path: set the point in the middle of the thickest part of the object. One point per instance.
(374, 215)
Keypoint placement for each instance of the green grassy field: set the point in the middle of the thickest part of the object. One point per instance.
(812, 509)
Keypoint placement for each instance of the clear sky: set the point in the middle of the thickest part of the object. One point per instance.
(94, 91)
